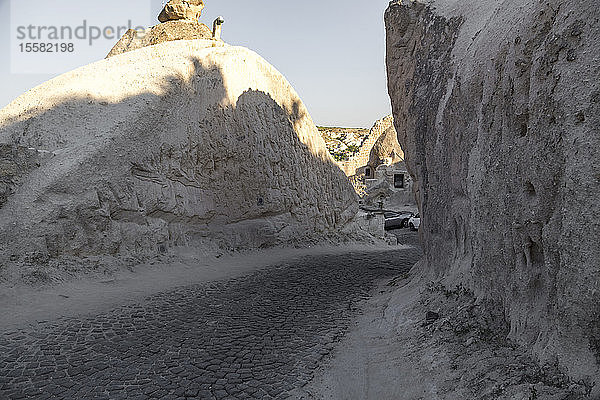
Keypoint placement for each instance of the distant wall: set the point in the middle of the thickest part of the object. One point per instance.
(362, 158)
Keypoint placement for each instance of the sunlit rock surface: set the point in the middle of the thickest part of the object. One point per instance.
(181, 9)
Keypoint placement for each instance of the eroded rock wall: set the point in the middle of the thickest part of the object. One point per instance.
(361, 159)
(177, 144)
(496, 105)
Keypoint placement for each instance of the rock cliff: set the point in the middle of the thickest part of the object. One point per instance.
(386, 149)
(361, 158)
(496, 105)
(177, 144)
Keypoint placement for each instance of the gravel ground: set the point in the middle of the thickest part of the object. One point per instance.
(259, 336)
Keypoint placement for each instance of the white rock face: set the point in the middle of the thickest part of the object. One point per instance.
(497, 107)
(178, 144)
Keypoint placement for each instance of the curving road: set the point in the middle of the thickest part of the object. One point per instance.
(259, 336)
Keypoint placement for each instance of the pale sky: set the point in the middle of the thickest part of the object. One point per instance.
(331, 51)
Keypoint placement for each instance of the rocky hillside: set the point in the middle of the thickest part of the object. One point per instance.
(343, 143)
(497, 107)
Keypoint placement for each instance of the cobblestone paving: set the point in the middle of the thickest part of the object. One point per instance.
(254, 337)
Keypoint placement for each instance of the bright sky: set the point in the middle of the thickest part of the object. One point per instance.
(332, 51)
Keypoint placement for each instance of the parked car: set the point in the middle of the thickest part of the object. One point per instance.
(414, 222)
(396, 219)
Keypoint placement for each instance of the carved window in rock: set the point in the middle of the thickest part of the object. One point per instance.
(368, 172)
(399, 181)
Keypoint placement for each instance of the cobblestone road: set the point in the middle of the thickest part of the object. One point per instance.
(255, 337)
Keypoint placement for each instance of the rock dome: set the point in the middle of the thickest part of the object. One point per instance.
(177, 144)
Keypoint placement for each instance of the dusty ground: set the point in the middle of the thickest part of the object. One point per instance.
(394, 351)
(60, 292)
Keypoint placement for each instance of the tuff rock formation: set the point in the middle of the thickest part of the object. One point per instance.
(386, 149)
(497, 106)
(166, 32)
(181, 9)
(179, 22)
(359, 161)
(177, 144)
